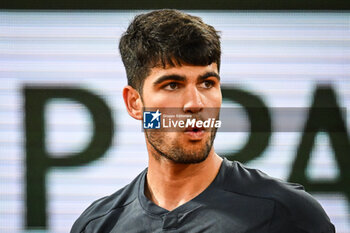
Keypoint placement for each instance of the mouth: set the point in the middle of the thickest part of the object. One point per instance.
(194, 133)
(193, 129)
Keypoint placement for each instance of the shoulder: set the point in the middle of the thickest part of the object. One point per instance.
(106, 205)
(299, 208)
(256, 183)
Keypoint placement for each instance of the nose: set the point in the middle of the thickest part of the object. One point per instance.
(193, 102)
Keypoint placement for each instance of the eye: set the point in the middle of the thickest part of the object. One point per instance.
(171, 86)
(208, 84)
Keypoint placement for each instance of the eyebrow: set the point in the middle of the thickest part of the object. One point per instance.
(169, 77)
(207, 75)
(176, 77)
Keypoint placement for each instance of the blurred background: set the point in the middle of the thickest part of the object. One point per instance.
(67, 140)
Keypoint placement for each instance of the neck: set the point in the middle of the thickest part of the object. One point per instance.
(170, 184)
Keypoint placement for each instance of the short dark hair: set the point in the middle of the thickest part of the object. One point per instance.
(166, 38)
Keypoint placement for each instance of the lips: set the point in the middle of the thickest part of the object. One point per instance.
(194, 133)
(193, 129)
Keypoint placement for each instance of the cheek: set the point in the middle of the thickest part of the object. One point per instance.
(214, 98)
(157, 99)
(219, 96)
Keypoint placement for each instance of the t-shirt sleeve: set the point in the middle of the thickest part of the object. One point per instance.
(312, 219)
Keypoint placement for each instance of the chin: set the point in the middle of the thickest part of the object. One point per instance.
(180, 149)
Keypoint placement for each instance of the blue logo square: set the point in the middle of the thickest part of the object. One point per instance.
(151, 120)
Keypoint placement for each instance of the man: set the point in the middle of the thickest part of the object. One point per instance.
(172, 60)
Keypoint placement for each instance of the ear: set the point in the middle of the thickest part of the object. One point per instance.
(133, 103)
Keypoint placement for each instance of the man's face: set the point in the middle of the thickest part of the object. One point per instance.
(191, 90)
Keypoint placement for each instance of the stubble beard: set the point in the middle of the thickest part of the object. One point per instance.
(176, 152)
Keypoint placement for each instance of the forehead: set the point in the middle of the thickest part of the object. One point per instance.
(187, 71)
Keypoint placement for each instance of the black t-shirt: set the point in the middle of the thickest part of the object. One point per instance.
(239, 200)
